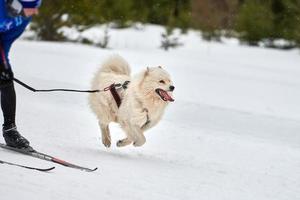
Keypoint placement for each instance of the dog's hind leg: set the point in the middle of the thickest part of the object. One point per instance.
(106, 139)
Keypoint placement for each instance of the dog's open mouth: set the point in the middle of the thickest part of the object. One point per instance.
(164, 95)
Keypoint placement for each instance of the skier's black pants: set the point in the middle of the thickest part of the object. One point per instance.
(8, 102)
(7, 90)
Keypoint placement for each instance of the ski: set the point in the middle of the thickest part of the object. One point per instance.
(47, 157)
(27, 167)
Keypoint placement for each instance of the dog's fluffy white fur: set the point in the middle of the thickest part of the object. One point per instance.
(143, 102)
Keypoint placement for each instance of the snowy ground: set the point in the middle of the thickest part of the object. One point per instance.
(232, 133)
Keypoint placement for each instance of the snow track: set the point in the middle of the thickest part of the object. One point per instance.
(232, 132)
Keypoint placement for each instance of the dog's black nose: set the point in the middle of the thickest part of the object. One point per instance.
(172, 88)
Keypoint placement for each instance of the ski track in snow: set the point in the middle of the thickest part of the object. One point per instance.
(232, 132)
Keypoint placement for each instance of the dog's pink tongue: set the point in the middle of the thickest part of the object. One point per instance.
(170, 99)
(167, 97)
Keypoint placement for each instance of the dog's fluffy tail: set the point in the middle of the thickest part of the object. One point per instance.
(115, 64)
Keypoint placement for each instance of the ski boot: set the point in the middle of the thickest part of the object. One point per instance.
(14, 139)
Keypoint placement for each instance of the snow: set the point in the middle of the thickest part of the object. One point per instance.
(232, 132)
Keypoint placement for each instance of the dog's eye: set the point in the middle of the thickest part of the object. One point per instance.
(162, 81)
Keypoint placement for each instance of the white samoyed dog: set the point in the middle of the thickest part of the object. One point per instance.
(143, 101)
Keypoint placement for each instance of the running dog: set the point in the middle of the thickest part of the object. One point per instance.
(142, 101)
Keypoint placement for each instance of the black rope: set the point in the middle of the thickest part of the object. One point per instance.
(53, 90)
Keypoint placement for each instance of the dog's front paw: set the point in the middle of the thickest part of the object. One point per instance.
(139, 143)
(107, 142)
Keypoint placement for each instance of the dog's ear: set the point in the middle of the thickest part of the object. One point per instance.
(160, 67)
(147, 71)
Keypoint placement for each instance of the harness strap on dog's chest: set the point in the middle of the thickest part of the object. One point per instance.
(113, 91)
(115, 94)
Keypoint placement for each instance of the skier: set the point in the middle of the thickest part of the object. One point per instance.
(15, 15)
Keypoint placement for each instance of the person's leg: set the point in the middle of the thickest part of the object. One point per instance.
(8, 104)
(8, 95)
